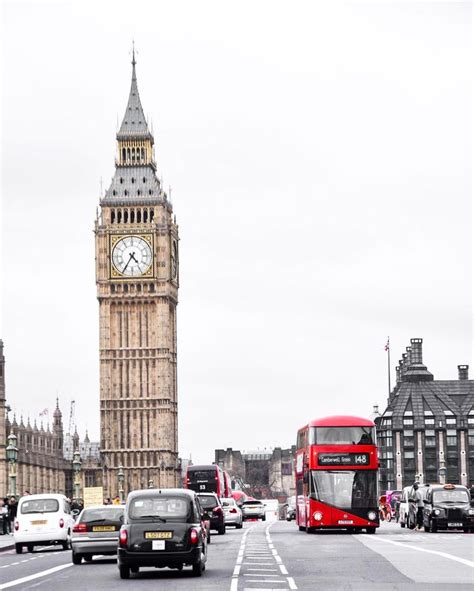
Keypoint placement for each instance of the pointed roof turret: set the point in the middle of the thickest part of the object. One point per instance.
(134, 123)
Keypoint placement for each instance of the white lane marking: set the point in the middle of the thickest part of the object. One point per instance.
(236, 570)
(265, 569)
(291, 583)
(43, 573)
(257, 575)
(283, 569)
(469, 563)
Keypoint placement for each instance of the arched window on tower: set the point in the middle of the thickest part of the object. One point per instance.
(125, 216)
(112, 216)
(119, 216)
(132, 216)
(133, 155)
(128, 155)
(145, 216)
(124, 154)
(139, 216)
(143, 154)
(152, 214)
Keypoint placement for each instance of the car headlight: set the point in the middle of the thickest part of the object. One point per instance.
(436, 511)
(471, 511)
(372, 515)
(317, 515)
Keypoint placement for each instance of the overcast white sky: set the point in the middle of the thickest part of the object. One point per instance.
(320, 156)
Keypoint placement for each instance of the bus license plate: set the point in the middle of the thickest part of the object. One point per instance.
(158, 545)
(454, 524)
(345, 522)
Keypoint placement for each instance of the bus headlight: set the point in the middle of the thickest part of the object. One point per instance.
(436, 512)
(372, 515)
(317, 515)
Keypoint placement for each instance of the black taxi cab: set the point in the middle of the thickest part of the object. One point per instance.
(448, 506)
(162, 528)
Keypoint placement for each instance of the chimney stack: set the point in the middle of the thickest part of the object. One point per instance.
(397, 371)
(409, 357)
(416, 351)
(463, 372)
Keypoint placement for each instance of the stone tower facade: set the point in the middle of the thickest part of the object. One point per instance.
(3, 425)
(137, 276)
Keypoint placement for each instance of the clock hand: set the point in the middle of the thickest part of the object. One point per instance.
(132, 256)
(129, 259)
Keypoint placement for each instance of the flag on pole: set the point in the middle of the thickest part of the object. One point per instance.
(387, 346)
(44, 412)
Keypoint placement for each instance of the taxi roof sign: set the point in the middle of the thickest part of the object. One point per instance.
(449, 486)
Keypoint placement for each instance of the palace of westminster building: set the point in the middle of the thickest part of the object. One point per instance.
(426, 432)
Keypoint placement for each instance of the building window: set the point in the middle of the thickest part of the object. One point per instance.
(471, 437)
(451, 438)
(429, 421)
(408, 421)
(430, 438)
(450, 421)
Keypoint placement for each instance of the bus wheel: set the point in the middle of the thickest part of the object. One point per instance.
(370, 530)
(309, 530)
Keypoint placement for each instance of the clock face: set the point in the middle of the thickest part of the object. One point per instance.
(174, 260)
(132, 256)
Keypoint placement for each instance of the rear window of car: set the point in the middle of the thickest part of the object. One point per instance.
(208, 502)
(228, 502)
(114, 515)
(252, 503)
(160, 507)
(40, 506)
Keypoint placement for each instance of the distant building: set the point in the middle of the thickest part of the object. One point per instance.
(426, 433)
(262, 473)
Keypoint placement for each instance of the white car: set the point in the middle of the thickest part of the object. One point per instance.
(253, 509)
(232, 513)
(42, 520)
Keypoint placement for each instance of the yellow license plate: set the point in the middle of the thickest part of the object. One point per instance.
(103, 528)
(39, 522)
(158, 535)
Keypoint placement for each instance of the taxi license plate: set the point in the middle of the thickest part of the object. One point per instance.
(158, 535)
(158, 545)
(454, 524)
(39, 522)
(103, 528)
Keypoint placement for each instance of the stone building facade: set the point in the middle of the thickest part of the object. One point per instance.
(262, 473)
(137, 278)
(426, 432)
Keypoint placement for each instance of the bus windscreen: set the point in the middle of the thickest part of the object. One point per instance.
(345, 489)
(342, 436)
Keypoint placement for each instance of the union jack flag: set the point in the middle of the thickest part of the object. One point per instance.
(387, 346)
(44, 412)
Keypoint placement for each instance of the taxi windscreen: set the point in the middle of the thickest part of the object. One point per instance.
(450, 496)
(40, 506)
(160, 507)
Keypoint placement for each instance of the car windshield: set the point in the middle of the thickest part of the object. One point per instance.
(40, 506)
(450, 496)
(207, 502)
(160, 507)
(346, 489)
(341, 436)
(114, 514)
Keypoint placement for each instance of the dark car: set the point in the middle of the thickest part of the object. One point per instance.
(212, 506)
(449, 507)
(162, 528)
(96, 532)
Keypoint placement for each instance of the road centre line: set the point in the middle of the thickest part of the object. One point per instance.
(464, 561)
(43, 573)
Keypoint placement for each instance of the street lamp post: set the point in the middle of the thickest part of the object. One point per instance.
(76, 466)
(121, 478)
(12, 457)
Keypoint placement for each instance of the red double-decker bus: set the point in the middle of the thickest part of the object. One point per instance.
(336, 475)
(207, 478)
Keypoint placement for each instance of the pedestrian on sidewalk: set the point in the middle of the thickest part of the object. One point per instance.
(12, 511)
(4, 515)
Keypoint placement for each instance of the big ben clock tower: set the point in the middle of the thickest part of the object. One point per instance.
(137, 280)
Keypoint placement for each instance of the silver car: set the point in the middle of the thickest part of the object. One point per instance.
(232, 513)
(96, 532)
(253, 509)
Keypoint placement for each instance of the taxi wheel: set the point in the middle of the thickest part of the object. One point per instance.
(124, 572)
(301, 528)
(433, 528)
(88, 557)
(134, 569)
(30, 548)
(238, 526)
(221, 530)
(209, 538)
(198, 568)
(18, 548)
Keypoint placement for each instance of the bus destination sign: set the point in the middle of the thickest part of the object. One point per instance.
(341, 459)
